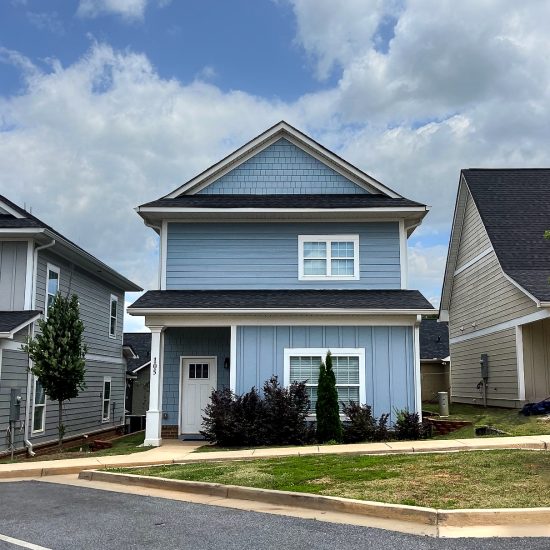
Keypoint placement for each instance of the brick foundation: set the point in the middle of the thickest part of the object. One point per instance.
(444, 427)
(169, 432)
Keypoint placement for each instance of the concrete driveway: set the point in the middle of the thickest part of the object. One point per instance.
(53, 516)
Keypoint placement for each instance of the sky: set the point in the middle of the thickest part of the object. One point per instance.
(107, 104)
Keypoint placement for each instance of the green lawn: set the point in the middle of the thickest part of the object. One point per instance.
(507, 420)
(121, 446)
(475, 479)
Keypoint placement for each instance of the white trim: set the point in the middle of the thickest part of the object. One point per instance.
(10, 344)
(282, 129)
(141, 367)
(328, 240)
(233, 360)
(18, 230)
(163, 252)
(403, 255)
(521, 365)
(9, 335)
(34, 405)
(108, 418)
(54, 269)
(336, 352)
(11, 211)
(212, 366)
(29, 275)
(473, 260)
(532, 317)
(417, 374)
(271, 210)
(113, 298)
(517, 285)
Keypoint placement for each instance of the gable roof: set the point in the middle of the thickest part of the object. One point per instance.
(434, 339)
(514, 206)
(282, 130)
(13, 321)
(19, 222)
(140, 342)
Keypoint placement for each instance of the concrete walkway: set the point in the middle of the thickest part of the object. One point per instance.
(173, 451)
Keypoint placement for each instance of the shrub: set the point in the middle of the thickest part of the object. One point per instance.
(219, 421)
(408, 426)
(329, 426)
(362, 426)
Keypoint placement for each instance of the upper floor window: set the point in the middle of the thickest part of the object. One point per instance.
(52, 286)
(324, 257)
(113, 316)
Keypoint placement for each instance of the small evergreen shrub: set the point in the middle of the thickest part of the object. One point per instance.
(362, 426)
(408, 426)
(329, 425)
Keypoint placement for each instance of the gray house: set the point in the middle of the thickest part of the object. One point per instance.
(268, 259)
(36, 262)
(496, 293)
(137, 372)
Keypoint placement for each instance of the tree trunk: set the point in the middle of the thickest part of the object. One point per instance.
(60, 429)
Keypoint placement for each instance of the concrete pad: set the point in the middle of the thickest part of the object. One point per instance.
(401, 446)
(438, 445)
(526, 442)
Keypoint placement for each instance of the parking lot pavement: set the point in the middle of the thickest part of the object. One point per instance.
(53, 516)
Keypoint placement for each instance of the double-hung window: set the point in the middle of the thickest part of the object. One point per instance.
(106, 407)
(38, 408)
(348, 364)
(52, 286)
(325, 257)
(113, 316)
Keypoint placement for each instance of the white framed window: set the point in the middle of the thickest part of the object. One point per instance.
(106, 399)
(52, 286)
(113, 316)
(348, 364)
(38, 407)
(328, 257)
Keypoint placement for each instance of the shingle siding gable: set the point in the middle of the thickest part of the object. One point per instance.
(282, 168)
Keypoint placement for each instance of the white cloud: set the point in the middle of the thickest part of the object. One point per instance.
(127, 9)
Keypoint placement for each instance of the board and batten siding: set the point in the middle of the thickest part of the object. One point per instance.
(466, 374)
(13, 270)
(94, 297)
(536, 360)
(13, 374)
(389, 358)
(265, 255)
(282, 168)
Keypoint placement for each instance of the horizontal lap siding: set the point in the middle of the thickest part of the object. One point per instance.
(388, 352)
(197, 342)
(13, 269)
(465, 368)
(13, 374)
(94, 298)
(474, 238)
(265, 255)
(282, 168)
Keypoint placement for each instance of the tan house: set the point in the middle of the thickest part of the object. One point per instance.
(496, 292)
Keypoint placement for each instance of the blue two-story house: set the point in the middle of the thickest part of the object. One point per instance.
(268, 259)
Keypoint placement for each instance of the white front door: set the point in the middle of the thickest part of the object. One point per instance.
(199, 377)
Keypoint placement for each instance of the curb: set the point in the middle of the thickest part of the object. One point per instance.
(510, 518)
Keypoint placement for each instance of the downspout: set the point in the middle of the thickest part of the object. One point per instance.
(28, 444)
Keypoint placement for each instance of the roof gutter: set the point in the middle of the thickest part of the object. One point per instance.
(297, 311)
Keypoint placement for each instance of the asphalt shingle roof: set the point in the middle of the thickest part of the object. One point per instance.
(365, 200)
(434, 339)
(12, 319)
(514, 205)
(282, 299)
(140, 342)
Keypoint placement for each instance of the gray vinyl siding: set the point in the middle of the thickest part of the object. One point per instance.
(536, 360)
(84, 414)
(140, 391)
(94, 298)
(13, 374)
(265, 255)
(465, 368)
(389, 358)
(474, 238)
(13, 270)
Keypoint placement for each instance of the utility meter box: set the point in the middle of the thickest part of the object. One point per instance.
(484, 364)
(15, 404)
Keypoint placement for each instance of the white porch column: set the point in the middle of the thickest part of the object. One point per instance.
(417, 376)
(233, 360)
(154, 413)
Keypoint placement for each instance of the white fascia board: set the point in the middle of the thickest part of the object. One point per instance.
(10, 334)
(255, 210)
(141, 367)
(282, 129)
(21, 230)
(271, 311)
(11, 210)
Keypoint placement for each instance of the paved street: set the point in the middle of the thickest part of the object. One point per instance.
(64, 517)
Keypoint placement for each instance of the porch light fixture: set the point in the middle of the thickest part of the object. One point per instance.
(226, 363)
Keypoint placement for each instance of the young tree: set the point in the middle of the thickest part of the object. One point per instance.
(58, 353)
(329, 426)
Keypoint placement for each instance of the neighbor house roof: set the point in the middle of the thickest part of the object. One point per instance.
(514, 205)
(434, 339)
(140, 342)
(13, 321)
(389, 301)
(19, 221)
